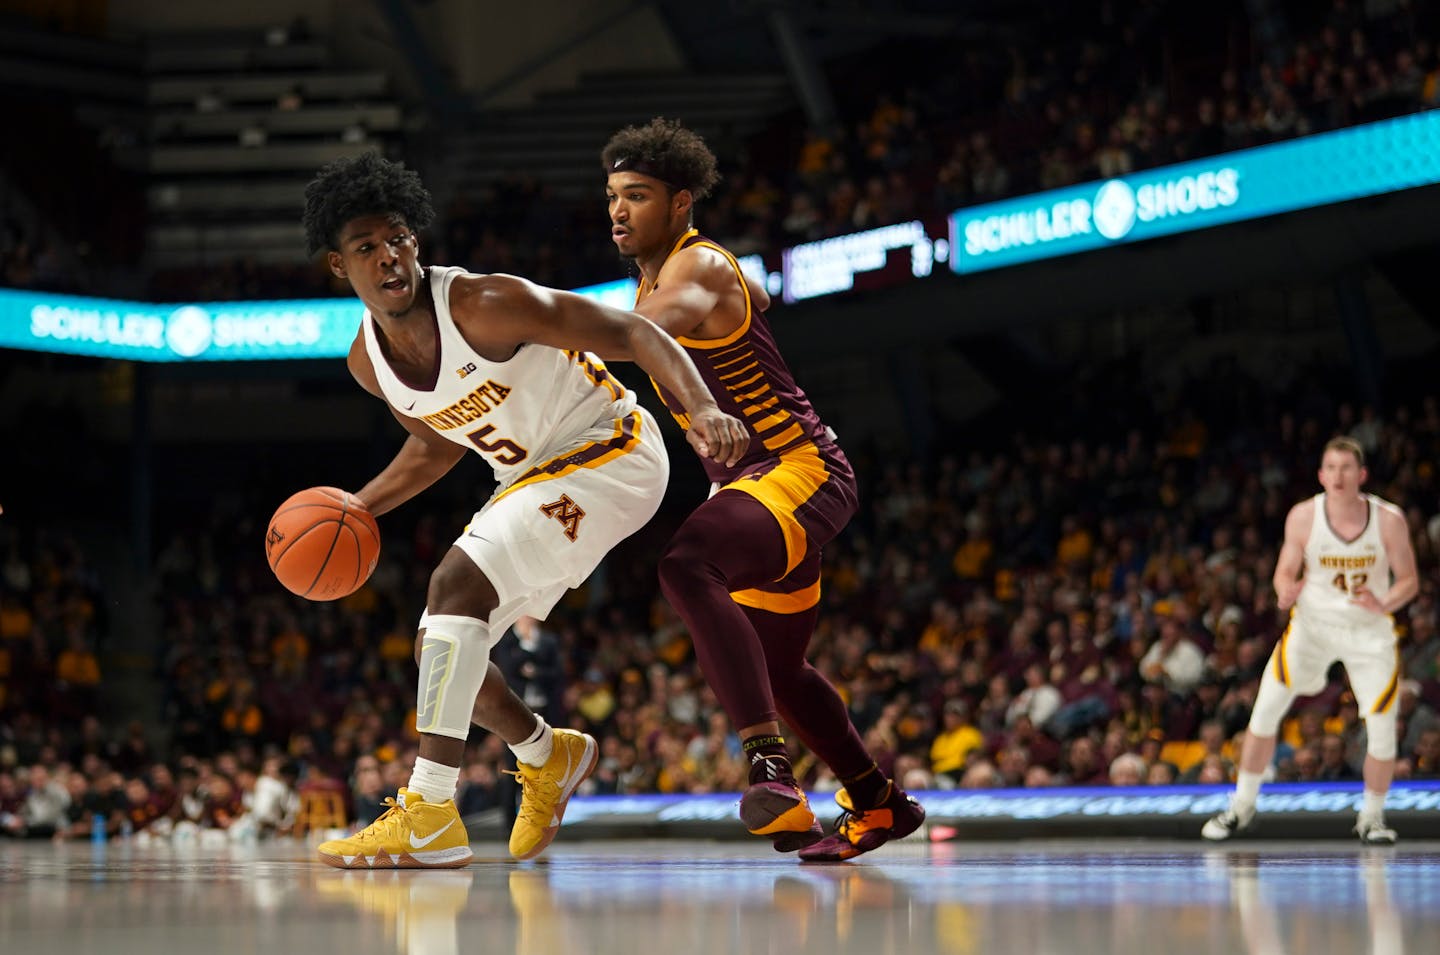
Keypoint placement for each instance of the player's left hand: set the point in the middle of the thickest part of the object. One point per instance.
(718, 436)
(1361, 596)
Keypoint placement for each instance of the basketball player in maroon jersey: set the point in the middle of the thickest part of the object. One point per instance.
(743, 570)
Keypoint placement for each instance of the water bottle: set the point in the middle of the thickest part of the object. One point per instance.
(97, 827)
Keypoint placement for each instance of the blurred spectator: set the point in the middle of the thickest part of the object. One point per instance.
(953, 745)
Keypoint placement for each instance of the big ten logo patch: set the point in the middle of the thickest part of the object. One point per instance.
(466, 370)
(567, 512)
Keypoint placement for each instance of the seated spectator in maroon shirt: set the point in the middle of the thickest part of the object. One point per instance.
(1020, 649)
(162, 789)
(1041, 747)
(141, 807)
(1082, 766)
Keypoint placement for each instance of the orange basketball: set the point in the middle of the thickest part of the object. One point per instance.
(322, 543)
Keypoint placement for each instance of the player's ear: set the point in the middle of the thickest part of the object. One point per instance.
(682, 202)
(337, 264)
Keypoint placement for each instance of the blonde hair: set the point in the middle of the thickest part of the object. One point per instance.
(1349, 444)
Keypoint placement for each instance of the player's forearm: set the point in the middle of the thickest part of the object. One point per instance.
(662, 358)
(414, 468)
(1401, 592)
(1285, 579)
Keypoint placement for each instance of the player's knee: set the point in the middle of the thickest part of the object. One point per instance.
(454, 660)
(459, 587)
(1380, 735)
(1271, 704)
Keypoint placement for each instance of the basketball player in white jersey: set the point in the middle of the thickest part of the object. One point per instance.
(494, 365)
(1359, 568)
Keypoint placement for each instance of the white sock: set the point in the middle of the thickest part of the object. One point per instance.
(535, 751)
(1374, 805)
(1247, 790)
(435, 782)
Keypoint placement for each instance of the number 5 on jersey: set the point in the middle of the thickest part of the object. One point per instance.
(506, 452)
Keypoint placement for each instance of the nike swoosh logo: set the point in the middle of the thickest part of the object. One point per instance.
(422, 843)
(409, 406)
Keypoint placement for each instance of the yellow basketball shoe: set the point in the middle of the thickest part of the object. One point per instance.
(546, 790)
(411, 834)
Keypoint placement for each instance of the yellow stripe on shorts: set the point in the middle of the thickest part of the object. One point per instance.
(802, 599)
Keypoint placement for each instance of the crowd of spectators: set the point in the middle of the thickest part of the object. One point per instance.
(1108, 88)
(1091, 99)
(1092, 609)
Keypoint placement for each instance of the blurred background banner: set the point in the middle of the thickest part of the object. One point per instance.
(1325, 168)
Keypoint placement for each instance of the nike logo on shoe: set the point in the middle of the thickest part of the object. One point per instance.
(422, 843)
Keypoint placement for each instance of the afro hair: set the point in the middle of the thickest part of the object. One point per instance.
(666, 150)
(364, 185)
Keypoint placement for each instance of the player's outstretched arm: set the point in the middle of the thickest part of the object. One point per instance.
(507, 308)
(1287, 579)
(423, 459)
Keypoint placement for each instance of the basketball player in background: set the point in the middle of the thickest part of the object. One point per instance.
(1358, 569)
(498, 366)
(743, 571)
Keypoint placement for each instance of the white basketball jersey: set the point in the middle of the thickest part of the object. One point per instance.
(1334, 567)
(517, 413)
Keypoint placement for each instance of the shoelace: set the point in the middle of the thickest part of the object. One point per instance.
(847, 819)
(385, 821)
(531, 812)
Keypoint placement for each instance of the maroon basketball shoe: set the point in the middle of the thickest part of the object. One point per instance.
(780, 811)
(861, 830)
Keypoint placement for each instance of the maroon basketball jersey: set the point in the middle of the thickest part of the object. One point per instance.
(748, 378)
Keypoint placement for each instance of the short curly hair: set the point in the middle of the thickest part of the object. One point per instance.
(364, 185)
(665, 149)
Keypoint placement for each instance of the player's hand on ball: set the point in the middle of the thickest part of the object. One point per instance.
(322, 543)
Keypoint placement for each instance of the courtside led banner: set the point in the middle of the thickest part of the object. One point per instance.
(1317, 170)
(200, 331)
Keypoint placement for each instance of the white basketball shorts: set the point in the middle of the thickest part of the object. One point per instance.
(1308, 649)
(549, 529)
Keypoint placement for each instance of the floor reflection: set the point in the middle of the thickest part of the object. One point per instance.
(719, 897)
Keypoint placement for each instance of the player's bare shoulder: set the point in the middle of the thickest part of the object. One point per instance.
(491, 310)
(1301, 516)
(706, 270)
(1392, 518)
(1388, 511)
(702, 264)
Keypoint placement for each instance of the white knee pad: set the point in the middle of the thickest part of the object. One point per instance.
(1272, 701)
(454, 657)
(1380, 734)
